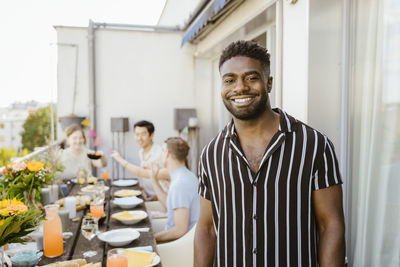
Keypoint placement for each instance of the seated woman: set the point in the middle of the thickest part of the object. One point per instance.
(75, 157)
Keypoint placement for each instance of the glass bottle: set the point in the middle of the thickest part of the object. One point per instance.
(52, 232)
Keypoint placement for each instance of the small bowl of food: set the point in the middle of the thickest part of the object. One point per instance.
(94, 155)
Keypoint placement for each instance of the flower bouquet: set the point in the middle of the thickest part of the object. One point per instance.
(25, 180)
(16, 221)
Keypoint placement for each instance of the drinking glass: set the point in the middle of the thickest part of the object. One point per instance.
(114, 259)
(89, 229)
(97, 209)
(105, 175)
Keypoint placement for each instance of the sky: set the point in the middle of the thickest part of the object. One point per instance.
(27, 50)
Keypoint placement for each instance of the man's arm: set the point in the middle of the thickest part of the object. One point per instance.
(137, 170)
(161, 194)
(181, 219)
(204, 239)
(329, 214)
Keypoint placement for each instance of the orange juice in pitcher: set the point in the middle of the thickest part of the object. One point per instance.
(52, 233)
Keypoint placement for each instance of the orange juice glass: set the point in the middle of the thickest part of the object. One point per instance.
(52, 233)
(105, 175)
(97, 209)
(116, 260)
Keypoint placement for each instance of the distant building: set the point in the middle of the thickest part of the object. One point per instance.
(12, 119)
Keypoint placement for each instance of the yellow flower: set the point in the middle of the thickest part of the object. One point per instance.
(34, 166)
(10, 207)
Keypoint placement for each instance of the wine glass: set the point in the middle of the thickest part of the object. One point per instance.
(97, 210)
(89, 229)
(105, 175)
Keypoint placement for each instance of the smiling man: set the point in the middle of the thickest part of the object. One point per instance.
(270, 185)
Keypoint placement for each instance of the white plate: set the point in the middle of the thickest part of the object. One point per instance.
(136, 192)
(127, 202)
(125, 182)
(156, 259)
(119, 237)
(141, 213)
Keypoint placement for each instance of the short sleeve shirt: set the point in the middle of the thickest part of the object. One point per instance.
(154, 155)
(183, 194)
(267, 218)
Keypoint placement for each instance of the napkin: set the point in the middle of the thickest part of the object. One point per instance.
(144, 248)
(139, 258)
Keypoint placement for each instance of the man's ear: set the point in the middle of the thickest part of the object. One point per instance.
(269, 84)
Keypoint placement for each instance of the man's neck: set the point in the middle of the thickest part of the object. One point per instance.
(268, 122)
(147, 148)
(173, 165)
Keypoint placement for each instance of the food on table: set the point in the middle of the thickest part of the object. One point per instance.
(92, 180)
(95, 155)
(80, 262)
(126, 215)
(127, 193)
(139, 258)
(81, 202)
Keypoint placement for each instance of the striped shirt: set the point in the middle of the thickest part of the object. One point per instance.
(267, 218)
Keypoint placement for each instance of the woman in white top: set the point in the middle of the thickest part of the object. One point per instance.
(75, 156)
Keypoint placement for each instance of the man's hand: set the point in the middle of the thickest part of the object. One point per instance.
(115, 155)
(154, 171)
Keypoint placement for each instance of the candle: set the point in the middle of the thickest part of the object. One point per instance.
(64, 216)
(45, 196)
(53, 193)
(70, 206)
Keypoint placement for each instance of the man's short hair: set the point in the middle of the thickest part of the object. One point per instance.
(178, 148)
(248, 49)
(147, 124)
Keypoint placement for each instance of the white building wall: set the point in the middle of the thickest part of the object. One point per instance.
(295, 59)
(139, 75)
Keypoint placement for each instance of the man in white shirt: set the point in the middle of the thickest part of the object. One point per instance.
(149, 152)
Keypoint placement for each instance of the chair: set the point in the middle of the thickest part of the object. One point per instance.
(178, 252)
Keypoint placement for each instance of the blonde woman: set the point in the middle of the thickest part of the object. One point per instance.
(75, 157)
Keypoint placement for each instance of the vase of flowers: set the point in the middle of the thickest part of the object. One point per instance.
(25, 180)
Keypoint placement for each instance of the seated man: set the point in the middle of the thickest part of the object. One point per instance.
(149, 152)
(182, 201)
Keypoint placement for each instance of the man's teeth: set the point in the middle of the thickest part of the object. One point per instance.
(242, 100)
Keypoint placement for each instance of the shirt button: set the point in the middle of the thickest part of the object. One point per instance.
(255, 217)
(255, 251)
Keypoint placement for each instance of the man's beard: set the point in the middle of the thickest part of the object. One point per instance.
(251, 112)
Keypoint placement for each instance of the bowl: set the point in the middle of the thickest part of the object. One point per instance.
(26, 258)
(94, 155)
(125, 182)
(127, 202)
(138, 216)
(119, 237)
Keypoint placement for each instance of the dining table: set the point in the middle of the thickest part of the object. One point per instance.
(77, 245)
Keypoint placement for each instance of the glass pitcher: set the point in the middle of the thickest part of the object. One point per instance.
(52, 232)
